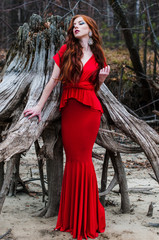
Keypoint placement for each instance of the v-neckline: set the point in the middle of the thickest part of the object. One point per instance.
(87, 61)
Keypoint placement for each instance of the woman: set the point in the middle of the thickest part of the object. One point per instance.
(80, 65)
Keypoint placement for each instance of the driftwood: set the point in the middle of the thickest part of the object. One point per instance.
(28, 68)
(138, 190)
(153, 225)
(150, 210)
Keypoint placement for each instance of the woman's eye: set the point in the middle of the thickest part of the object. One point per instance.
(81, 23)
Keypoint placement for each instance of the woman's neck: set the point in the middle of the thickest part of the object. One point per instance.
(84, 44)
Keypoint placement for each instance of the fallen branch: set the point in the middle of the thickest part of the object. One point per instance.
(153, 177)
(153, 225)
(9, 231)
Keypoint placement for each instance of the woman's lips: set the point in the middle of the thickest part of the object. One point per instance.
(76, 31)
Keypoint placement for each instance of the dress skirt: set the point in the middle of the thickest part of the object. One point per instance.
(80, 211)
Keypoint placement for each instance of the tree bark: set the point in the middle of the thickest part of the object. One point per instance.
(40, 156)
(1, 166)
(54, 154)
(104, 177)
(119, 170)
(126, 29)
(15, 178)
(7, 180)
(135, 128)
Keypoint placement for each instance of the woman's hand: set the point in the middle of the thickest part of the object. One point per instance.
(104, 72)
(32, 112)
(36, 111)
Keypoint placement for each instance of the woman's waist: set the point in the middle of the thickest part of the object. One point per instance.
(80, 85)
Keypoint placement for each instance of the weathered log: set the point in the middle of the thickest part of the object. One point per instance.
(27, 71)
(153, 225)
(106, 140)
(110, 187)
(133, 127)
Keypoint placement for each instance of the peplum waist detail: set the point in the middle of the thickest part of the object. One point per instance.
(83, 93)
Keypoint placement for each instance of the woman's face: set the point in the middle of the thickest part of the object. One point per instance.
(81, 28)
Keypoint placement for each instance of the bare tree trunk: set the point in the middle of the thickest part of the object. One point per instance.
(145, 48)
(155, 63)
(54, 154)
(129, 40)
(137, 22)
(144, 89)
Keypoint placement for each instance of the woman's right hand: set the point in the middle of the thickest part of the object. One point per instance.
(32, 112)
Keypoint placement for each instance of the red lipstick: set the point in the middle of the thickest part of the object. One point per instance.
(76, 31)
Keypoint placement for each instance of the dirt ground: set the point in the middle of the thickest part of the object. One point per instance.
(18, 212)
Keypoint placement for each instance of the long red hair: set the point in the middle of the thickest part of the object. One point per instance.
(71, 65)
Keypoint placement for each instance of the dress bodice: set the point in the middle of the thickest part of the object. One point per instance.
(83, 91)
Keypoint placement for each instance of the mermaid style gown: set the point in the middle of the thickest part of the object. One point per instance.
(80, 211)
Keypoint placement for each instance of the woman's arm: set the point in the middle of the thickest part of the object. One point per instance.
(36, 110)
(104, 72)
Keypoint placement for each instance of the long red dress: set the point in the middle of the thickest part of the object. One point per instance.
(80, 211)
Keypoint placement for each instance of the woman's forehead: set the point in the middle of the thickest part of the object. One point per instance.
(78, 19)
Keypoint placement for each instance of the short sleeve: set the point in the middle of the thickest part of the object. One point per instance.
(59, 55)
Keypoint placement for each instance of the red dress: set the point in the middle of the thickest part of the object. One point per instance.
(80, 211)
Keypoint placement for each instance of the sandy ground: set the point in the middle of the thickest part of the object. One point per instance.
(18, 212)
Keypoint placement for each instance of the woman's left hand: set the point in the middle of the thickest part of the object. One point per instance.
(104, 72)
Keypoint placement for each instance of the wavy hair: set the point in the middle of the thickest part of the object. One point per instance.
(71, 65)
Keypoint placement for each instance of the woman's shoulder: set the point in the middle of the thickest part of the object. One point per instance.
(63, 48)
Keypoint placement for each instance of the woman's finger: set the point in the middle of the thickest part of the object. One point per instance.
(27, 113)
(33, 115)
(39, 117)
